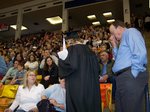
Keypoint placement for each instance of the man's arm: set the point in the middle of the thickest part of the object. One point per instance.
(138, 50)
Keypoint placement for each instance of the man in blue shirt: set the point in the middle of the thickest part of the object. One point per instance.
(130, 67)
(56, 94)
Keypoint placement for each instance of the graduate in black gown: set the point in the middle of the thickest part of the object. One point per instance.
(81, 70)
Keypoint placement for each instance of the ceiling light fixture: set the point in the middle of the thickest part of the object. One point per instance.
(96, 23)
(15, 27)
(110, 20)
(91, 17)
(107, 14)
(54, 20)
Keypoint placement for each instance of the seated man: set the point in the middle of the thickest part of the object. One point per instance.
(56, 95)
(106, 74)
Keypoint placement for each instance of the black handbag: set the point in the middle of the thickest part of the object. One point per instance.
(45, 106)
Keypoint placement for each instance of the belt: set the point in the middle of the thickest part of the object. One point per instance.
(145, 65)
(122, 71)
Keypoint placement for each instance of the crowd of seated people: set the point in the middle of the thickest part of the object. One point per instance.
(39, 53)
(33, 49)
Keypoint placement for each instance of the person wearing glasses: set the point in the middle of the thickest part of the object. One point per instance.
(28, 95)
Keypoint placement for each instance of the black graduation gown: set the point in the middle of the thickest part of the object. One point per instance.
(81, 70)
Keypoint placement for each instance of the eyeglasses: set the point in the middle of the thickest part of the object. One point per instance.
(102, 54)
(31, 75)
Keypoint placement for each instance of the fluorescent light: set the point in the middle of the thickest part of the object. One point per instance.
(22, 27)
(54, 20)
(110, 20)
(91, 17)
(96, 23)
(107, 14)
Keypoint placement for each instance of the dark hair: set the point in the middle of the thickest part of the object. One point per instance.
(22, 59)
(21, 64)
(103, 44)
(46, 66)
(118, 23)
(30, 56)
(105, 51)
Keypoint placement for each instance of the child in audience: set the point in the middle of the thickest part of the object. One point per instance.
(18, 78)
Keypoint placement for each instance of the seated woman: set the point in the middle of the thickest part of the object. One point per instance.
(28, 95)
(32, 63)
(56, 94)
(49, 73)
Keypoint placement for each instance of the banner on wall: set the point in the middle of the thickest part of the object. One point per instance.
(4, 27)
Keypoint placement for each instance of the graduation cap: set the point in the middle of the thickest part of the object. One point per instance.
(71, 35)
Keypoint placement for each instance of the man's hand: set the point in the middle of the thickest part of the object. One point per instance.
(113, 41)
(103, 78)
(55, 103)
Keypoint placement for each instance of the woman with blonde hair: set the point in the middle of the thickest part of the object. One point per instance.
(28, 95)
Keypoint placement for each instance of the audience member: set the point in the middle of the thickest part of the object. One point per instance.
(49, 72)
(56, 95)
(32, 63)
(18, 78)
(106, 75)
(10, 73)
(28, 95)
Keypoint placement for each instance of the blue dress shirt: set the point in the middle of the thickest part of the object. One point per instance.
(58, 93)
(104, 69)
(131, 52)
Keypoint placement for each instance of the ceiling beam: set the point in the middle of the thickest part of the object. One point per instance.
(29, 7)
